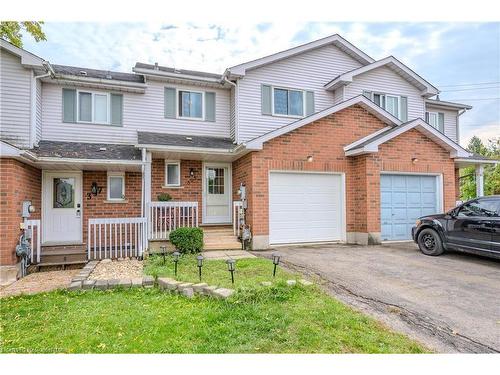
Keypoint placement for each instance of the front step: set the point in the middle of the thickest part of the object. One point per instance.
(64, 254)
(220, 238)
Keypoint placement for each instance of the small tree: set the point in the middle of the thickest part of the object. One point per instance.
(12, 31)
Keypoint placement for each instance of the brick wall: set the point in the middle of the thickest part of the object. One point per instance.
(18, 182)
(324, 140)
(190, 189)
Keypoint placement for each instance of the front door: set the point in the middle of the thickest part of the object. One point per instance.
(217, 194)
(62, 212)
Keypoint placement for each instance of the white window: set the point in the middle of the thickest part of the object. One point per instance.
(391, 103)
(191, 104)
(116, 186)
(287, 102)
(432, 119)
(172, 173)
(93, 107)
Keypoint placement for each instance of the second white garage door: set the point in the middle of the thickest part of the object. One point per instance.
(305, 207)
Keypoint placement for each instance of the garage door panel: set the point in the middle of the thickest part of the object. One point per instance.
(404, 198)
(304, 207)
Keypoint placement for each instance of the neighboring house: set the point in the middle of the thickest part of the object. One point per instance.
(330, 145)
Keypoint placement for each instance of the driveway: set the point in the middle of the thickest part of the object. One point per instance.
(450, 303)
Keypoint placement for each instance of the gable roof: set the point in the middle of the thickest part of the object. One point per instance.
(371, 143)
(374, 109)
(337, 40)
(27, 58)
(394, 64)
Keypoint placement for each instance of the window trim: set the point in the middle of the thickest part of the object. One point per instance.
(288, 89)
(177, 111)
(173, 162)
(93, 93)
(115, 174)
(385, 95)
(437, 118)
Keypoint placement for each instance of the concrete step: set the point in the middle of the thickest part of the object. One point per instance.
(220, 239)
(59, 264)
(222, 246)
(64, 254)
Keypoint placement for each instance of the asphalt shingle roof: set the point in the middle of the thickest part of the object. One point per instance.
(148, 138)
(179, 71)
(76, 150)
(101, 74)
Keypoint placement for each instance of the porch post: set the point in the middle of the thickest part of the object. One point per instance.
(479, 180)
(147, 179)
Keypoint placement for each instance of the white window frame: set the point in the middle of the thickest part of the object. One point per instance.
(173, 162)
(288, 89)
(115, 174)
(178, 114)
(436, 126)
(92, 100)
(385, 95)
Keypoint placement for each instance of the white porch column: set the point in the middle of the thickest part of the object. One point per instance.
(479, 180)
(147, 179)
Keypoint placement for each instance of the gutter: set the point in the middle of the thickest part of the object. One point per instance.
(159, 73)
(104, 82)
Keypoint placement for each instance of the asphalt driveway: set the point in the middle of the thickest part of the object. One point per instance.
(450, 303)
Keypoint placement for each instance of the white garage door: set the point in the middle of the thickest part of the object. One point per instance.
(305, 207)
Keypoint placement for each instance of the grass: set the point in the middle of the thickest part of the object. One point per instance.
(277, 319)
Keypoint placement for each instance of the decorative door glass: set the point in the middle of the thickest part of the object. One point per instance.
(215, 180)
(64, 193)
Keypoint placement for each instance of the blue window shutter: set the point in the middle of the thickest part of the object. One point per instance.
(441, 122)
(210, 106)
(404, 109)
(309, 103)
(170, 102)
(69, 105)
(367, 94)
(266, 100)
(116, 109)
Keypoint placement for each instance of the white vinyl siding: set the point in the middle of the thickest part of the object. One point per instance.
(141, 112)
(15, 100)
(450, 121)
(384, 80)
(309, 71)
(338, 95)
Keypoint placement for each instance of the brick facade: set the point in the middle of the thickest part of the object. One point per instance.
(18, 182)
(324, 140)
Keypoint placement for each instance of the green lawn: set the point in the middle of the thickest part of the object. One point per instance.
(279, 319)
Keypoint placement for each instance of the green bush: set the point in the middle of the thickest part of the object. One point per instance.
(164, 197)
(187, 240)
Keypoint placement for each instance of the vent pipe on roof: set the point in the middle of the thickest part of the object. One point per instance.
(83, 73)
(156, 66)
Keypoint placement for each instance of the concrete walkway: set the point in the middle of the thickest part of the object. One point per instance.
(39, 282)
(451, 303)
(227, 254)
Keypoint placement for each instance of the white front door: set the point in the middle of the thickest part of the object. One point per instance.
(217, 193)
(62, 208)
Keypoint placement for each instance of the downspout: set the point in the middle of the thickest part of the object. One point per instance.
(460, 113)
(236, 111)
(32, 141)
(143, 168)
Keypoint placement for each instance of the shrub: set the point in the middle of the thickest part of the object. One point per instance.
(164, 197)
(187, 240)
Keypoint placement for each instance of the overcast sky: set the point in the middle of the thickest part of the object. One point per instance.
(461, 59)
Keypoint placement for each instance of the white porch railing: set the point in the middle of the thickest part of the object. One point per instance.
(116, 237)
(164, 217)
(237, 216)
(33, 228)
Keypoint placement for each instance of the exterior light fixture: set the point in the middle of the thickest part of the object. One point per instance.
(95, 189)
(310, 158)
(276, 261)
(199, 258)
(176, 255)
(163, 250)
(191, 172)
(231, 265)
(414, 160)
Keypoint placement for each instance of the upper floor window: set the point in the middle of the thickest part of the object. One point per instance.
(396, 105)
(435, 119)
(288, 102)
(191, 104)
(93, 107)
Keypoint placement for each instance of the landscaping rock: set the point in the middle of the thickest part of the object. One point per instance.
(188, 292)
(148, 281)
(136, 283)
(222, 293)
(113, 283)
(207, 290)
(163, 282)
(198, 288)
(172, 285)
(305, 282)
(101, 284)
(78, 278)
(182, 286)
(266, 283)
(124, 283)
(88, 284)
(75, 285)
(291, 282)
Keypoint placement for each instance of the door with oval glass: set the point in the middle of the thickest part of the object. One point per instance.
(217, 193)
(62, 211)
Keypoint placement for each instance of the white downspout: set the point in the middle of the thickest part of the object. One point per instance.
(236, 111)
(32, 141)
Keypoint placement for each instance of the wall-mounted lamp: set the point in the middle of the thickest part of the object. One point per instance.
(95, 189)
(414, 160)
(310, 159)
(191, 172)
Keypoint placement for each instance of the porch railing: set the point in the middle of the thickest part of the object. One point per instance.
(237, 216)
(164, 217)
(116, 237)
(33, 229)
